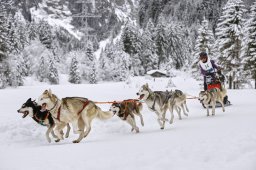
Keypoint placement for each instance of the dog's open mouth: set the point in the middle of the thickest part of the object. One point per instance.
(141, 96)
(24, 114)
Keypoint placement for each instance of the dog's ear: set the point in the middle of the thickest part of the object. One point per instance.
(50, 92)
(45, 92)
(29, 100)
(146, 85)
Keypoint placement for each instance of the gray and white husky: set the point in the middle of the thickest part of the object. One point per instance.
(177, 101)
(156, 102)
(210, 97)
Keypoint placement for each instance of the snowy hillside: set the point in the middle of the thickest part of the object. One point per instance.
(226, 141)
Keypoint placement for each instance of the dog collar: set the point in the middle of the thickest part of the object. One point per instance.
(54, 105)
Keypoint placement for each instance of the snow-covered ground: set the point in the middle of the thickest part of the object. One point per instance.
(226, 141)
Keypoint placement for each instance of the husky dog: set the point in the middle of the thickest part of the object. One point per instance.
(210, 97)
(177, 101)
(44, 118)
(77, 110)
(156, 102)
(126, 110)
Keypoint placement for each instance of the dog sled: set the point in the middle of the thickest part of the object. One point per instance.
(214, 82)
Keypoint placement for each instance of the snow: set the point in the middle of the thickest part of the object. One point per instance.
(225, 141)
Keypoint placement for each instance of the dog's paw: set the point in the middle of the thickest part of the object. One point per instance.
(49, 140)
(57, 140)
(76, 141)
(66, 136)
(186, 114)
(137, 130)
(162, 128)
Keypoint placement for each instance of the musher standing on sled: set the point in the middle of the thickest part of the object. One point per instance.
(208, 68)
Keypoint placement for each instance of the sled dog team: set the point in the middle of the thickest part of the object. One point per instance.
(79, 111)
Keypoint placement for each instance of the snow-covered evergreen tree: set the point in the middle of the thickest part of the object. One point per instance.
(205, 40)
(74, 74)
(178, 44)
(53, 75)
(106, 62)
(161, 43)
(42, 71)
(148, 57)
(16, 78)
(92, 64)
(5, 47)
(45, 34)
(4, 40)
(229, 38)
(131, 41)
(132, 44)
(249, 45)
(33, 30)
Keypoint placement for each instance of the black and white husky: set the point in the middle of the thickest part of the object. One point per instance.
(44, 118)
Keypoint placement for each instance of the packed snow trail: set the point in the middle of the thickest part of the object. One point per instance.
(225, 141)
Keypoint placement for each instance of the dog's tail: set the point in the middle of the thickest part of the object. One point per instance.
(103, 115)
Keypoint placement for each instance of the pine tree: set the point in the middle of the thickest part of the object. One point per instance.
(92, 64)
(121, 63)
(132, 44)
(161, 43)
(4, 48)
(148, 53)
(33, 30)
(74, 74)
(205, 40)
(42, 69)
(4, 40)
(178, 47)
(229, 38)
(53, 75)
(249, 50)
(131, 39)
(45, 34)
(16, 78)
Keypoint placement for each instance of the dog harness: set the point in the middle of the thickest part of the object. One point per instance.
(126, 112)
(41, 121)
(84, 105)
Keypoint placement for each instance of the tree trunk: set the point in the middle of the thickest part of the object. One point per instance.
(254, 76)
(230, 82)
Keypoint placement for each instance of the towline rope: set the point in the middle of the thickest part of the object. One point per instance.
(130, 100)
